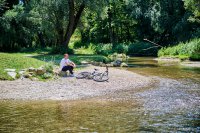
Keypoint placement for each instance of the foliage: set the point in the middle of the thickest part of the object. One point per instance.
(49, 67)
(2, 4)
(61, 50)
(110, 25)
(86, 50)
(142, 48)
(189, 49)
(104, 49)
(121, 48)
(194, 7)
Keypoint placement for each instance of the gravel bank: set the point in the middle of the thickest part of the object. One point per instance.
(70, 88)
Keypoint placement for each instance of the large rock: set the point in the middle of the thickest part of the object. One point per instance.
(84, 63)
(40, 71)
(63, 74)
(124, 65)
(12, 74)
(109, 65)
(21, 72)
(117, 63)
(27, 75)
(31, 69)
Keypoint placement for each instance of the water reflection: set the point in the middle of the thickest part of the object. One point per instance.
(149, 66)
(171, 104)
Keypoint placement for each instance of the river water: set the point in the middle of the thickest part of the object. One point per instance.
(170, 104)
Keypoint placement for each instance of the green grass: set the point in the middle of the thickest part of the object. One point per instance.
(16, 61)
(77, 59)
(20, 61)
(189, 50)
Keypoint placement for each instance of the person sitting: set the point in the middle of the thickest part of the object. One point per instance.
(66, 64)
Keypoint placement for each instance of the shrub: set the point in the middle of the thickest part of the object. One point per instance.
(61, 50)
(142, 49)
(91, 49)
(78, 44)
(104, 49)
(189, 49)
(49, 67)
(121, 48)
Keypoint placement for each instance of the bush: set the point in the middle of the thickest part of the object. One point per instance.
(61, 50)
(91, 49)
(77, 44)
(49, 67)
(121, 48)
(142, 49)
(104, 49)
(189, 49)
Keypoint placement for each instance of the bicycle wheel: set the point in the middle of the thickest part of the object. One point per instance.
(83, 75)
(101, 77)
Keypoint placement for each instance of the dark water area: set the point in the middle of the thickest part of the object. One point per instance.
(170, 104)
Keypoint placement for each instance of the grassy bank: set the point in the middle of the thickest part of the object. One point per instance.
(20, 61)
(189, 50)
(16, 61)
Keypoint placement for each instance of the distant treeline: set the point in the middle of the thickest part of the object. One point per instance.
(42, 23)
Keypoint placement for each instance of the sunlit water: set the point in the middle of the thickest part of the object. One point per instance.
(171, 104)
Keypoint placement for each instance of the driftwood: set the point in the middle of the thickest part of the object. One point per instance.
(157, 45)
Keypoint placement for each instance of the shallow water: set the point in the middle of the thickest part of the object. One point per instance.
(171, 104)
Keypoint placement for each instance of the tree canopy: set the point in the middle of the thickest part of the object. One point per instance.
(51, 23)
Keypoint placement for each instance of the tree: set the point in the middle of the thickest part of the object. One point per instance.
(194, 7)
(76, 8)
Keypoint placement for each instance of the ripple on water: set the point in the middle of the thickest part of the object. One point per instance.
(168, 104)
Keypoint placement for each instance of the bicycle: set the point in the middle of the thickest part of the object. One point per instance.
(95, 75)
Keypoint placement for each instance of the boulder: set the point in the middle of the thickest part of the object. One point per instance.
(102, 65)
(40, 71)
(31, 69)
(34, 79)
(12, 74)
(63, 74)
(96, 63)
(117, 63)
(27, 75)
(124, 65)
(21, 72)
(84, 62)
(110, 65)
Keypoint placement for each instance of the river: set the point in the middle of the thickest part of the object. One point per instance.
(170, 104)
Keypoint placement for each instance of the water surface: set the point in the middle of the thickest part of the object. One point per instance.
(171, 104)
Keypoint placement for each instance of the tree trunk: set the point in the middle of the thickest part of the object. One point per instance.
(73, 21)
(110, 26)
(40, 36)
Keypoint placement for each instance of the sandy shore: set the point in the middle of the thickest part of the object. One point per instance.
(176, 60)
(70, 88)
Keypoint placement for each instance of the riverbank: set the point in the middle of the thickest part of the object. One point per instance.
(70, 88)
(186, 63)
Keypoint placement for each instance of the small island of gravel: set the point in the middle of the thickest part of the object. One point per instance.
(70, 88)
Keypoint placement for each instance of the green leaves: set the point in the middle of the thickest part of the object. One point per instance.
(194, 7)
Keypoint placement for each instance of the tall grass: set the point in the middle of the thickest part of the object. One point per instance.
(190, 50)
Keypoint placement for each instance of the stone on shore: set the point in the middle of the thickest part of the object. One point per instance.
(31, 69)
(124, 65)
(11, 73)
(40, 71)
